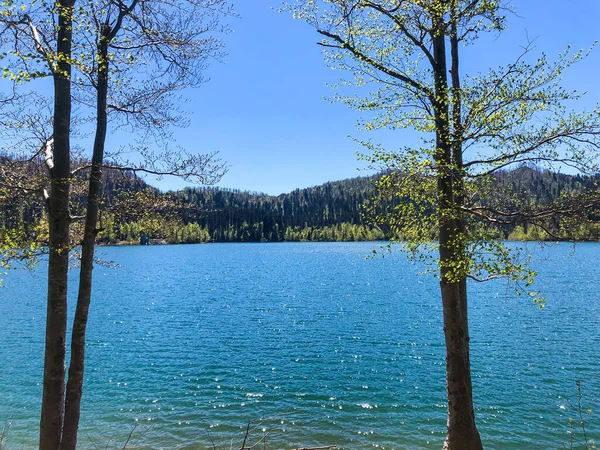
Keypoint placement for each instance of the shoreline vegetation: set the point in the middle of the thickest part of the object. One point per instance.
(192, 234)
(518, 235)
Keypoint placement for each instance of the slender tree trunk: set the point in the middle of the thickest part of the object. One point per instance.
(59, 221)
(462, 433)
(76, 366)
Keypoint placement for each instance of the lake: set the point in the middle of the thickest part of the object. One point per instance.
(189, 343)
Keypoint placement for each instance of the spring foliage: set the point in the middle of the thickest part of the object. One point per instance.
(471, 125)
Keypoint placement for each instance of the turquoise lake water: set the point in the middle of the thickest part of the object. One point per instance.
(190, 343)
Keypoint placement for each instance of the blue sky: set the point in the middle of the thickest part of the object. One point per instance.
(263, 108)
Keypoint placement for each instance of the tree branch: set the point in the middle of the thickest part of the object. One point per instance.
(362, 57)
(400, 23)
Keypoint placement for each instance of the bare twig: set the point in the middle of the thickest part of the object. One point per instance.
(129, 437)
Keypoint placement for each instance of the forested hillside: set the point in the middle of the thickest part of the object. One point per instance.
(531, 189)
(134, 211)
(328, 212)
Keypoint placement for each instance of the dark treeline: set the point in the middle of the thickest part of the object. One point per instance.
(542, 187)
(329, 212)
(235, 215)
(528, 188)
(134, 211)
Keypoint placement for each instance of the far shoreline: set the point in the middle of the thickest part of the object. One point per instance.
(134, 244)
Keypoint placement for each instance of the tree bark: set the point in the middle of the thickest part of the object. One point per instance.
(76, 366)
(462, 432)
(53, 391)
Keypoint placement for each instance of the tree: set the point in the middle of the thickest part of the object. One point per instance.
(141, 52)
(440, 196)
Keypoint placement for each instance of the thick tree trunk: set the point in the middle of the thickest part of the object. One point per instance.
(76, 366)
(51, 419)
(462, 432)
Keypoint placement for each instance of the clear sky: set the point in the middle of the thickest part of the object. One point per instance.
(264, 111)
